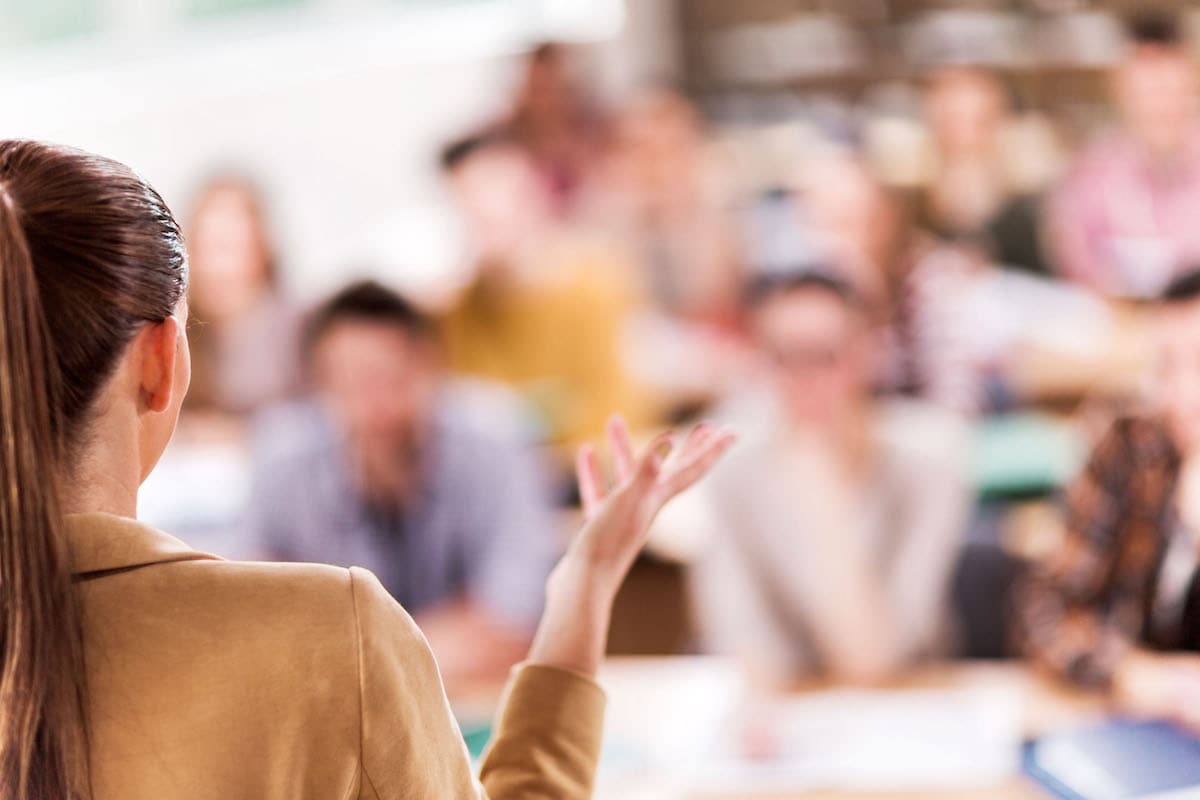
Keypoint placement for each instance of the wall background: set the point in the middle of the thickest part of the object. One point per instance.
(337, 109)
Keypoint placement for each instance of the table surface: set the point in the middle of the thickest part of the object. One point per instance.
(634, 683)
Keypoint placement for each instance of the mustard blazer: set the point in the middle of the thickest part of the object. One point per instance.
(237, 681)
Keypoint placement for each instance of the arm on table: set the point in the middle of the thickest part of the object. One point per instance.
(732, 609)
(1062, 607)
(932, 539)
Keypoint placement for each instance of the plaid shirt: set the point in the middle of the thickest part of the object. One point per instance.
(1085, 605)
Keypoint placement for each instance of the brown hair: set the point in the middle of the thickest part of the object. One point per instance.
(203, 335)
(89, 253)
(255, 197)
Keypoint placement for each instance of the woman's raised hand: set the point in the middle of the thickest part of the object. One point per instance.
(617, 518)
(582, 588)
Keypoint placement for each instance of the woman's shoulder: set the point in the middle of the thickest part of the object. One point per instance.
(289, 595)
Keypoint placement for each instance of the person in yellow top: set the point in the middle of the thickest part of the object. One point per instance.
(134, 667)
(545, 312)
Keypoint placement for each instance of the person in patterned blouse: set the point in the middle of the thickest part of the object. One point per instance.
(1117, 605)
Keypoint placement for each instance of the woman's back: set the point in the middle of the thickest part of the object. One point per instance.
(222, 679)
(212, 678)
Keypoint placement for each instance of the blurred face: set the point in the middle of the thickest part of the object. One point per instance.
(1179, 362)
(657, 141)
(817, 350)
(228, 252)
(549, 86)
(965, 107)
(378, 381)
(851, 209)
(1155, 91)
(503, 204)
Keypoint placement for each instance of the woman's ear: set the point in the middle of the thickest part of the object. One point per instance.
(159, 343)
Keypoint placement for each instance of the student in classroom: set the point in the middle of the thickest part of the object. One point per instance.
(423, 479)
(244, 339)
(837, 521)
(134, 667)
(1124, 220)
(1117, 604)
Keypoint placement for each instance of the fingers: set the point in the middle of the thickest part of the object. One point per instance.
(591, 484)
(706, 450)
(624, 460)
(652, 459)
(704, 446)
(696, 438)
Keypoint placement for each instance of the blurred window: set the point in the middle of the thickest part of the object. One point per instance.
(24, 23)
(206, 8)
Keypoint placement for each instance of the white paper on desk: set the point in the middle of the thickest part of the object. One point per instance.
(663, 719)
(876, 739)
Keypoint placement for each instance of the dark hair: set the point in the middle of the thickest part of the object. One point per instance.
(1156, 27)
(1183, 289)
(769, 285)
(87, 245)
(459, 151)
(365, 301)
(546, 52)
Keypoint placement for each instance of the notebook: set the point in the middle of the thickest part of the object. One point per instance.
(1120, 760)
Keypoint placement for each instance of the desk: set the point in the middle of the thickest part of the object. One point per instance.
(1046, 707)
(638, 687)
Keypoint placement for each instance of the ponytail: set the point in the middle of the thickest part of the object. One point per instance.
(42, 734)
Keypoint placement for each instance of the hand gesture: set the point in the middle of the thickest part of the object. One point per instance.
(581, 590)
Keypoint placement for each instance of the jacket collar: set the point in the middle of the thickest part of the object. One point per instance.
(104, 543)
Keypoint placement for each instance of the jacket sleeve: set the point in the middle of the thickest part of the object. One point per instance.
(547, 739)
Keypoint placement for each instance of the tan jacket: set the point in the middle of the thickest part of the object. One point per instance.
(225, 680)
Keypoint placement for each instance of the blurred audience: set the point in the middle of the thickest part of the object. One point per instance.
(666, 196)
(243, 329)
(862, 227)
(838, 517)
(1116, 604)
(546, 311)
(423, 480)
(973, 197)
(555, 119)
(609, 257)
(1124, 222)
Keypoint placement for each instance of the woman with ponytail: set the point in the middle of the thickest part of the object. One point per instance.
(134, 667)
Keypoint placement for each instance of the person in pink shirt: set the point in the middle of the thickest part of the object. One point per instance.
(1127, 218)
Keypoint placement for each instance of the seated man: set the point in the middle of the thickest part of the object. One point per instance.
(838, 518)
(393, 468)
(1116, 602)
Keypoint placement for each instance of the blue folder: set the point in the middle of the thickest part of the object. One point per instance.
(1118, 760)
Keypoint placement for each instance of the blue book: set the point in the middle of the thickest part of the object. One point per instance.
(1118, 760)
